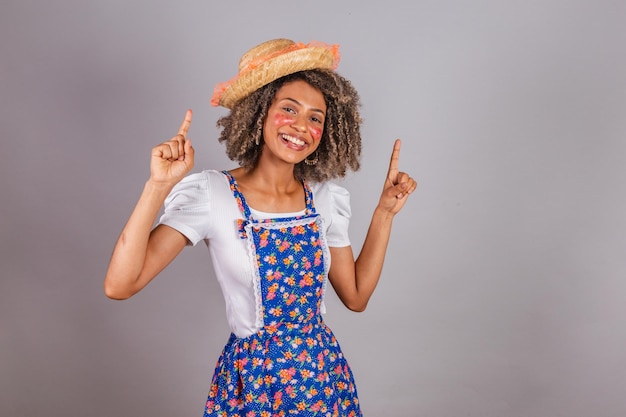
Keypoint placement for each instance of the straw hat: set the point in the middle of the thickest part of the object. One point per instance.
(271, 60)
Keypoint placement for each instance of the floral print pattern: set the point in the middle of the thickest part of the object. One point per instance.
(294, 364)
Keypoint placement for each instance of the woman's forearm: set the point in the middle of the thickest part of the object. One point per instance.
(129, 253)
(369, 263)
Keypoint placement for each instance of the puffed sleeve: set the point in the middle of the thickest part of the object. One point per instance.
(339, 201)
(188, 206)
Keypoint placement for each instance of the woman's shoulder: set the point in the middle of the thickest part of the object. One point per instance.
(206, 175)
(328, 189)
(197, 203)
(331, 198)
(332, 202)
(203, 180)
(200, 186)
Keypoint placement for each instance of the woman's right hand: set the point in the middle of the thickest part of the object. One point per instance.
(172, 160)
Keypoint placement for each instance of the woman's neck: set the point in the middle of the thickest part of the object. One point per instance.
(273, 178)
(272, 190)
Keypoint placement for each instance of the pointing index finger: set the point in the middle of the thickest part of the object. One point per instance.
(184, 126)
(395, 156)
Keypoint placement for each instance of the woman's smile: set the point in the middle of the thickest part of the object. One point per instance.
(293, 140)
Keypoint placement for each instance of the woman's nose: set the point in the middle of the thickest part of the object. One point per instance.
(299, 123)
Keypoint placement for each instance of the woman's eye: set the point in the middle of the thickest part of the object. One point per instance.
(316, 120)
(289, 110)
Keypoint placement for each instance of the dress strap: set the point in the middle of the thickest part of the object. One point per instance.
(308, 195)
(241, 201)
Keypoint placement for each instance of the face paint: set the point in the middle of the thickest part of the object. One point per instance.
(316, 132)
(282, 119)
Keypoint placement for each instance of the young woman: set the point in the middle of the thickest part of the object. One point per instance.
(272, 227)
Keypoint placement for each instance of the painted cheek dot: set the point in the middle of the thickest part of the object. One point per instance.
(280, 119)
(316, 133)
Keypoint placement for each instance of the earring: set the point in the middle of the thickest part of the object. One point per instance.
(257, 140)
(311, 162)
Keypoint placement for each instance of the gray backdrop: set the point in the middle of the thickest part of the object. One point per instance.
(503, 293)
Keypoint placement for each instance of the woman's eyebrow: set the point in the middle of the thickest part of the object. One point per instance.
(300, 104)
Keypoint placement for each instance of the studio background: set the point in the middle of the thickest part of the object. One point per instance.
(503, 292)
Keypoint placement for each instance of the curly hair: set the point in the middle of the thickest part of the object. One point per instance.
(340, 145)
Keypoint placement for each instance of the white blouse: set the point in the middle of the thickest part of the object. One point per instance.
(202, 207)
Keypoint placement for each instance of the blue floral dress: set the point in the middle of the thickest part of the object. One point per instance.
(293, 365)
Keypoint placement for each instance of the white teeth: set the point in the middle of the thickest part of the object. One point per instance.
(293, 140)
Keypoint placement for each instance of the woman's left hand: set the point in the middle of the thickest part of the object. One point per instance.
(398, 185)
(355, 281)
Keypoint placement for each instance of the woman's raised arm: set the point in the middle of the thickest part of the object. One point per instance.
(141, 252)
(355, 281)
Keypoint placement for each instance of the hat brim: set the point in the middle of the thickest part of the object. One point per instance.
(313, 57)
